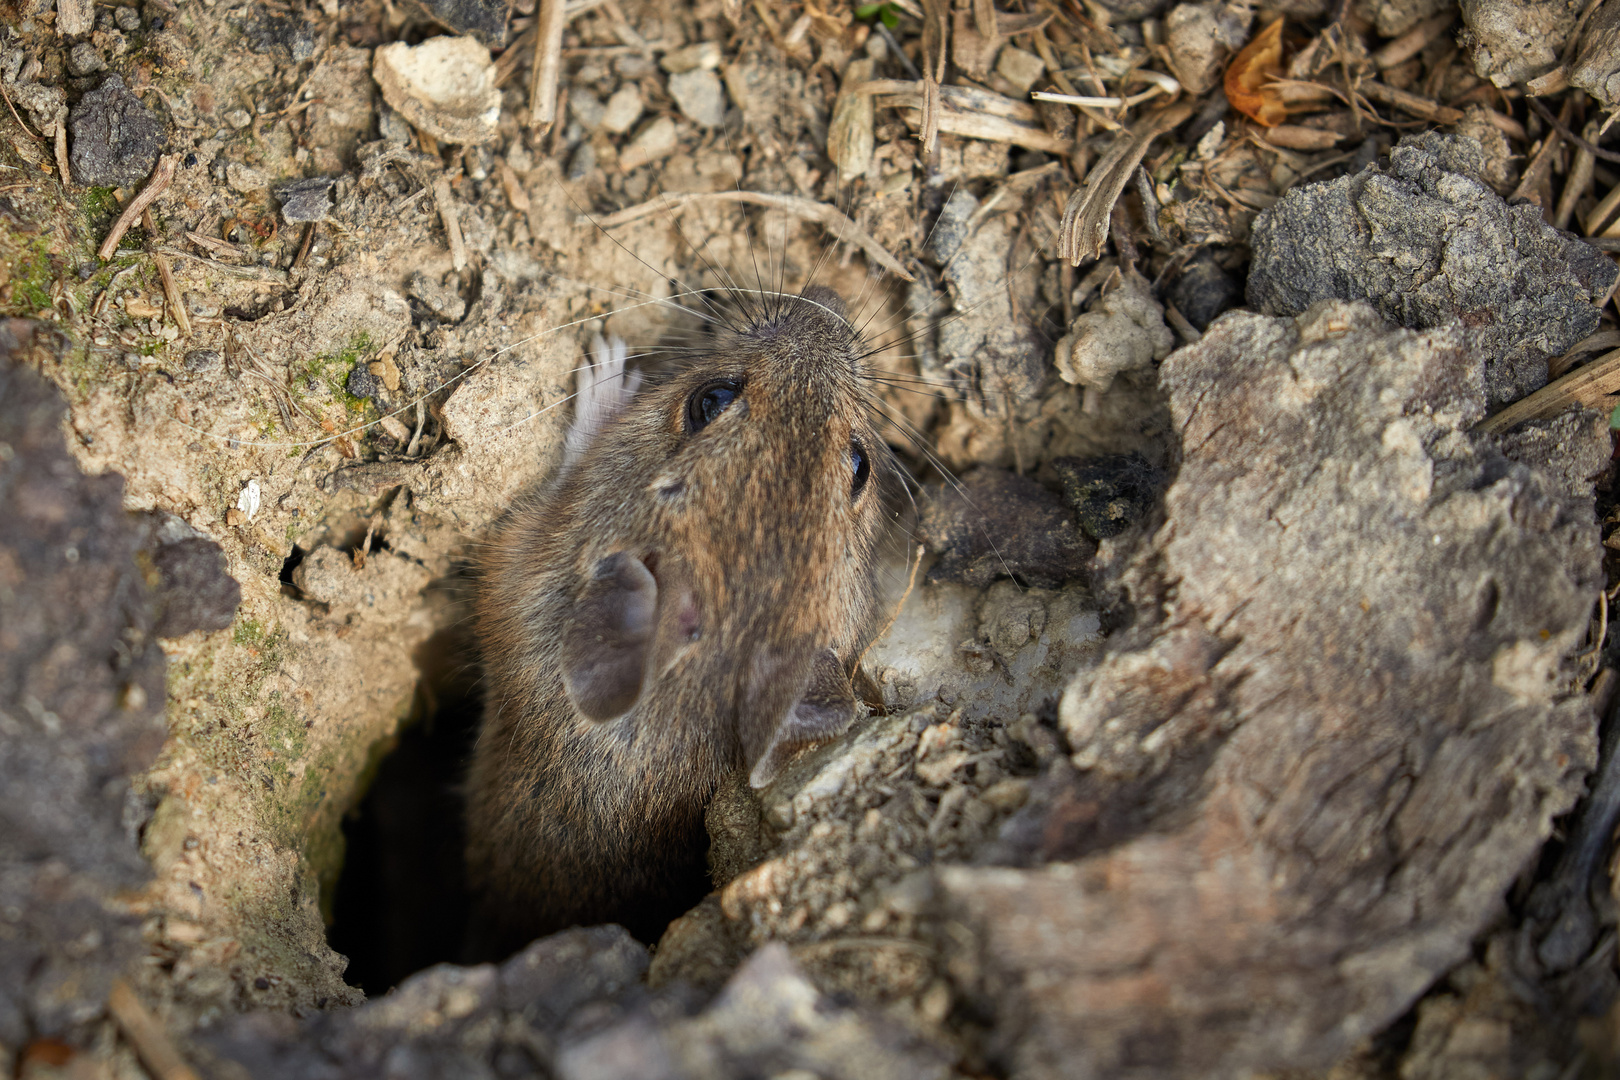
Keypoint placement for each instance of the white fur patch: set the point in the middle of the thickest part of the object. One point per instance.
(604, 389)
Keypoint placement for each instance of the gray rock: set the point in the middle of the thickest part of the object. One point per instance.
(116, 139)
(200, 361)
(1339, 738)
(81, 710)
(127, 18)
(306, 200)
(483, 19)
(85, 59)
(1597, 65)
(1513, 41)
(996, 524)
(700, 96)
(1428, 243)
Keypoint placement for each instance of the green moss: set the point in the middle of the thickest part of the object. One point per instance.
(33, 272)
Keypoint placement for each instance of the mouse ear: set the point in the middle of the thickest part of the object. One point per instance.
(605, 646)
(824, 709)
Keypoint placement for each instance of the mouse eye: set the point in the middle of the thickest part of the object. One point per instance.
(710, 400)
(861, 467)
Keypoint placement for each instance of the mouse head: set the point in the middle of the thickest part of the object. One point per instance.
(736, 507)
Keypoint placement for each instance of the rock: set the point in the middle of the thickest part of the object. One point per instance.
(700, 96)
(116, 139)
(362, 383)
(483, 19)
(1428, 243)
(1597, 65)
(999, 524)
(703, 55)
(1513, 41)
(1395, 17)
(445, 87)
(1123, 330)
(1204, 290)
(202, 361)
(245, 179)
(81, 711)
(586, 108)
(623, 110)
(1020, 68)
(1108, 495)
(46, 105)
(85, 59)
(1344, 732)
(195, 589)
(653, 142)
(306, 200)
(987, 343)
(441, 299)
(127, 18)
(1201, 38)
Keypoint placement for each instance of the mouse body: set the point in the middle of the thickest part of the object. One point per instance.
(685, 598)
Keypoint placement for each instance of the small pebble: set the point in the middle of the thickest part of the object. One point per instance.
(703, 54)
(127, 18)
(238, 117)
(623, 110)
(700, 96)
(585, 107)
(83, 59)
(203, 360)
(652, 143)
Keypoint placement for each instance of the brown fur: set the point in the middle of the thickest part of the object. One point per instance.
(749, 527)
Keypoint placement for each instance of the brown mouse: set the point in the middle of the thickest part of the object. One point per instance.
(685, 598)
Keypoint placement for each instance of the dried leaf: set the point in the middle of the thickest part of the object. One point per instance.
(1248, 79)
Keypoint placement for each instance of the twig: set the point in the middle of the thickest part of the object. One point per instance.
(1585, 385)
(452, 227)
(22, 123)
(144, 1030)
(62, 164)
(161, 177)
(830, 217)
(1414, 40)
(1407, 102)
(1559, 126)
(551, 18)
(303, 248)
(1162, 84)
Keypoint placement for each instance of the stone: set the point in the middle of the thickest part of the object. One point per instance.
(623, 110)
(306, 200)
(700, 96)
(1429, 243)
(115, 138)
(445, 87)
(85, 59)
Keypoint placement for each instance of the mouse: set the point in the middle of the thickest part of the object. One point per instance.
(685, 598)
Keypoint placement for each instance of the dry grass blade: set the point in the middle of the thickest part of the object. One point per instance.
(1585, 386)
(1085, 219)
(147, 1034)
(830, 218)
(1408, 102)
(970, 113)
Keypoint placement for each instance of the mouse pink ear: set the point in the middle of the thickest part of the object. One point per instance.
(605, 645)
(824, 709)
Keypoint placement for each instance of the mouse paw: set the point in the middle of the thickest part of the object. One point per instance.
(604, 388)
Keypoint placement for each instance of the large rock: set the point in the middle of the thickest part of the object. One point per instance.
(1429, 243)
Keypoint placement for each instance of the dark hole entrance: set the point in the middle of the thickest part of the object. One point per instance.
(401, 901)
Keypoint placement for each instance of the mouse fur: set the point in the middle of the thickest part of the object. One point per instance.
(685, 598)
